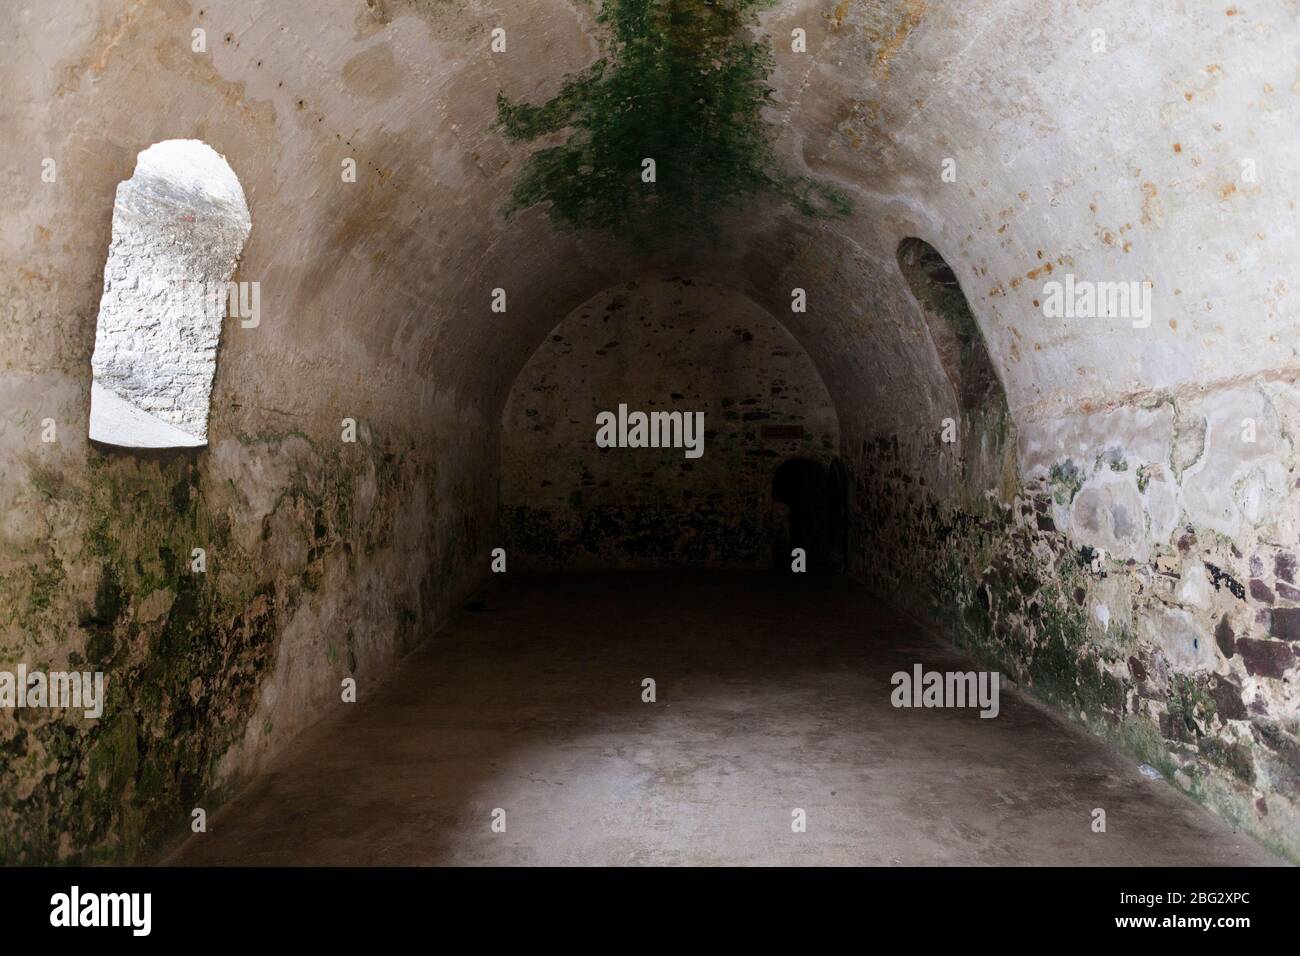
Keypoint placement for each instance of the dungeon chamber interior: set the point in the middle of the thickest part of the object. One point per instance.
(446, 257)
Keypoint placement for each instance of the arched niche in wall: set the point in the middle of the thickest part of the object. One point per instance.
(986, 427)
(179, 226)
(953, 329)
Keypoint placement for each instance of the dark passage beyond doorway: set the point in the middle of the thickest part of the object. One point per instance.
(772, 695)
(808, 513)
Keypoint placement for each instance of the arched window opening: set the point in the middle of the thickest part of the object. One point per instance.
(953, 328)
(179, 226)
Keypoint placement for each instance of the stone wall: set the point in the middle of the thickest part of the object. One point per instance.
(658, 345)
(324, 559)
(1139, 573)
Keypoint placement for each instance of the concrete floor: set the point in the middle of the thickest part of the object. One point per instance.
(772, 695)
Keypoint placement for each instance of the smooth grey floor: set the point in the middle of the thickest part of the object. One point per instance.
(771, 696)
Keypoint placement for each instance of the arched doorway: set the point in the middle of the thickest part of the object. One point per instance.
(808, 512)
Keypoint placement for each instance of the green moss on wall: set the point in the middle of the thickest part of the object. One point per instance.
(682, 85)
(1019, 594)
(183, 653)
(1066, 480)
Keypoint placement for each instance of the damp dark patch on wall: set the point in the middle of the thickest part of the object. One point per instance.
(1020, 595)
(682, 84)
(712, 534)
(183, 652)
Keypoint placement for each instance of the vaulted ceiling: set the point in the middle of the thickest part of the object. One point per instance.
(1105, 140)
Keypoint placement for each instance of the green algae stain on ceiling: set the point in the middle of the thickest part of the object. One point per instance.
(682, 84)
